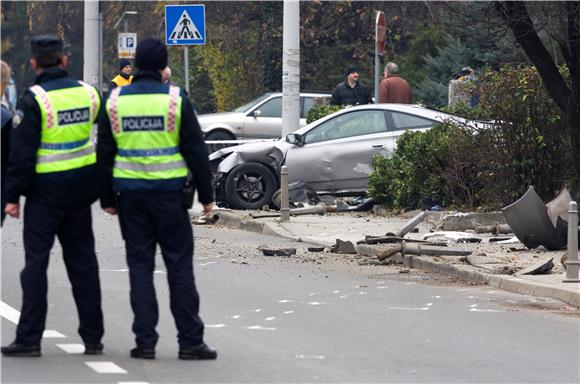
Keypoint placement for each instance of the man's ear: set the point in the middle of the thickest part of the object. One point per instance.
(34, 64)
(64, 62)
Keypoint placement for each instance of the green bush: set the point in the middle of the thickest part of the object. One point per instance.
(461, 167)
(321, 110)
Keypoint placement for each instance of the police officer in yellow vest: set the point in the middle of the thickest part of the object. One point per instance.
(149, 139)
(124, 77)
(53, 164)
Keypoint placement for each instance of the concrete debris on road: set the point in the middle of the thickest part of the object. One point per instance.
(495, 229)
(343, 247)
(421, 250)
(541, 267)
(210, 218)
(287, 252)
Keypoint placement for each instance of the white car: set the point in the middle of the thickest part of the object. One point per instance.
(332, 155)
(261, 118)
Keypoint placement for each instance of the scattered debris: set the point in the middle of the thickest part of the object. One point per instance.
(210, 218)
(343, 247)
(499, 239)
(315, 249)
(421, 250)
(542, 267)
(318, 209)
(278, 251)
(496, 229)
(563, 260)
(537, 224)
(457, 237)
(511, 240)
(409, 225)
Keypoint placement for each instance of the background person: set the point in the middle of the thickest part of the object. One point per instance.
(351, 91)
(145, 157)
(393, 88)
(166, 75)
(53, 163)
(124, 77)
(6, 120)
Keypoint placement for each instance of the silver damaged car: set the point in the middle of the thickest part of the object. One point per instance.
(332, 155)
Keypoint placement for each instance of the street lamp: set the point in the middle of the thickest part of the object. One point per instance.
(123, 17)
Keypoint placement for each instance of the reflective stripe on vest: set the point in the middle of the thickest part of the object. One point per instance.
(146, 129)
(67, 116)
(150, 167)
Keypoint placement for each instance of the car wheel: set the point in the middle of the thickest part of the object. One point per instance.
(250, 186)
(218, 135)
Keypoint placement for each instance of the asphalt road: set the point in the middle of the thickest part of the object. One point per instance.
(297, 319)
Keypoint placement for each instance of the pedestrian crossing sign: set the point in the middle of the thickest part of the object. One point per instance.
(185, 24)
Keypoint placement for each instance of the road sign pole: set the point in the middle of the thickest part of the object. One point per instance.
(377, 65)
(186, 69)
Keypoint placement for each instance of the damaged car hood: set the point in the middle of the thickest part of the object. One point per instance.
(270, 152)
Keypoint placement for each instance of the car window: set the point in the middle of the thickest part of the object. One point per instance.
(347, 125)
(246, 107)
(271, 108)
(402, 121)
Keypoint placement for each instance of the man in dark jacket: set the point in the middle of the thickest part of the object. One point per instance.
(53, 163)
(351, 91)
(149, 139)
(393, 88)
(124, 77)
(6, 120)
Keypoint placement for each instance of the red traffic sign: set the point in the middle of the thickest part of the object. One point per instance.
(380, 32)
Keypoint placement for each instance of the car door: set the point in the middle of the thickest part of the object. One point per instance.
(265, 120)
(337, 154)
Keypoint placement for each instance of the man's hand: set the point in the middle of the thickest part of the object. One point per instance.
(207, 208)
(110, 210)
(12, 210)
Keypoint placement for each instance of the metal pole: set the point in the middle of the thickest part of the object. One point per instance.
(91, 43)
(377, 65)
(186, 69)
(291, 67)
(125, 29)
(284, 204)
(572, 262)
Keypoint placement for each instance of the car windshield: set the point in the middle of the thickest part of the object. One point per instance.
(246, 107)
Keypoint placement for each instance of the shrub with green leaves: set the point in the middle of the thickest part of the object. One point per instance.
(321, 110)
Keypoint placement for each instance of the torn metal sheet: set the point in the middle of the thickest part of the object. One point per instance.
(528, 217)
(540, 268)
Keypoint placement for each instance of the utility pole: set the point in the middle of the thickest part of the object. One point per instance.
(91, 54)
(291, 68)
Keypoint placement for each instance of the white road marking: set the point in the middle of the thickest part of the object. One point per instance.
(105, 367)
(411, 309)
(260, 328)
(235, 316)
(13, 315)
(114, 270)
(52, 334)
(336, 291)
(484, 310)
(215, 325)
(383, 287)
(72, 348)
(270, 318)
(317, 357)
(159, 271)
(285, 301)
(258, 310)
(9, 313)
(362, 293)
(343, 296)
(316, 303)
(288, 312)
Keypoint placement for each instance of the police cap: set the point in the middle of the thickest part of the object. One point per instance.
(46, 44)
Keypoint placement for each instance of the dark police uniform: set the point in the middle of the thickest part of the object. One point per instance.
(53, 164)
(149, 138)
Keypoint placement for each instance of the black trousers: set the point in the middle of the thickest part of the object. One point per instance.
(148, 219)
(73, 227)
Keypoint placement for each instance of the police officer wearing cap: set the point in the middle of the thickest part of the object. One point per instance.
(149, 139)
(53, 164)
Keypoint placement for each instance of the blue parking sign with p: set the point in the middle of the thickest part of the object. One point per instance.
(185, 24)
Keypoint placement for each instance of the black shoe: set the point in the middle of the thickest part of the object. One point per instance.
(140, 353)
(199, 352)
(19, 350)
(94, 349)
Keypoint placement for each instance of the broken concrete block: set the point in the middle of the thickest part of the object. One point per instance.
(278, 252)
(540, 268)
(343, 247)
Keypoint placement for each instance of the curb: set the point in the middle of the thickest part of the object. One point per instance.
(465, 273)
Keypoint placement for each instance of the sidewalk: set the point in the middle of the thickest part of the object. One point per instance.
(353, 226)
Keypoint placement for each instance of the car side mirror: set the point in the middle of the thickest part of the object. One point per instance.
(295, 138)
(256, 113)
